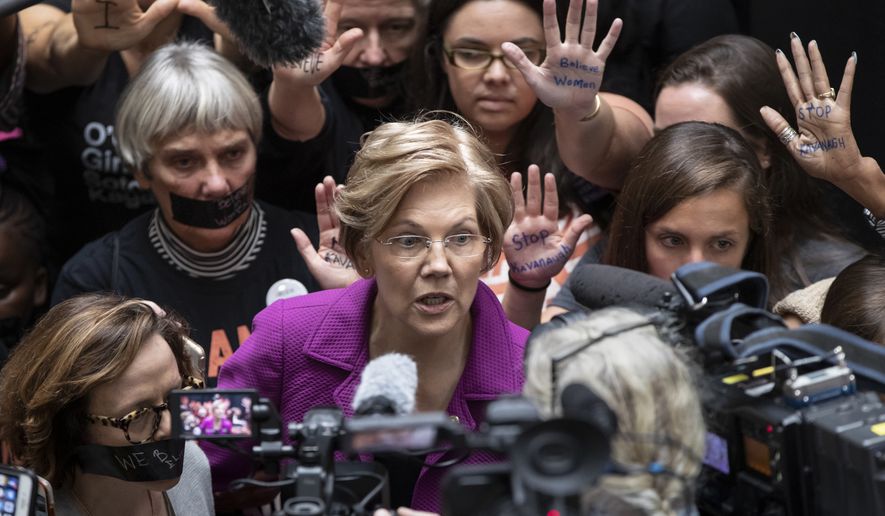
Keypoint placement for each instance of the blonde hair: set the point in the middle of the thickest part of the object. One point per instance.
(84, 342)
(399, 155)
(650, 387)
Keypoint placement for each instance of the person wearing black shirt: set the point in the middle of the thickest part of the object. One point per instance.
(321, 107)
(188, 126)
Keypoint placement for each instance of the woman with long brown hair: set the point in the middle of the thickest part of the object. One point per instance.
(83, 403)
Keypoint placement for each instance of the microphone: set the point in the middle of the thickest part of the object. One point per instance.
(387, 387)
(274, 32)
(599, 286)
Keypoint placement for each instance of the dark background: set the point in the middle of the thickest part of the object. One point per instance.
(839, 28)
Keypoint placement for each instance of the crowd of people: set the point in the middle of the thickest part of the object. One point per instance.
(422, 183)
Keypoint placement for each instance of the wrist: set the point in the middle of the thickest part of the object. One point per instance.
(527, 288)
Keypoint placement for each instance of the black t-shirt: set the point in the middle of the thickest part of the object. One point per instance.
(219, 312)
(94, 193)
(290, 170)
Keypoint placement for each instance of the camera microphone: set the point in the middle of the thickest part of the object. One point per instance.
(272, 32)
(600, 286)
(387, 387)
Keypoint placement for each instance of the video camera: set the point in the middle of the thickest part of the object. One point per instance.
(796, 423)
(545, 464)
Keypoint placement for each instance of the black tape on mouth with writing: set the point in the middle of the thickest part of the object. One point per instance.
(148, 462)
(211, 214)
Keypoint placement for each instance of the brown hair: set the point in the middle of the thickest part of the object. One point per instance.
(681, 162)
(398, 155)
(84, 342)
(743, 71)
(856, 299)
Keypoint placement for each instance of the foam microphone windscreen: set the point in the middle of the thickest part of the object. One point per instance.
(387, 386)
(272, 32)
(599, 286)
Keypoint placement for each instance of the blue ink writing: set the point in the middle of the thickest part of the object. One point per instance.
(807, 149)
(523, 241)
(577, 65)
(561, 257)
(812, 110)
(574, 83)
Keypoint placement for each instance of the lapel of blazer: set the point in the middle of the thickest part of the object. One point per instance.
(341, 338)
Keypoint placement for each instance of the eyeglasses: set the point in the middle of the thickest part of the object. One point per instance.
(138, 426)
(463, 245)
(476, 59)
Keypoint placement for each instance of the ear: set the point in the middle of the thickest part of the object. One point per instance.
(363, 262)
(41, 286)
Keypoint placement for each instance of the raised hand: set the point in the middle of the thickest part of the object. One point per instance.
(570, 76)
(206, 13)
(317, 67)
(112, 25)
(328, 263)
(824, 145)
(535, 247)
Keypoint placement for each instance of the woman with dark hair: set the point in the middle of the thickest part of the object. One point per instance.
(83, 403)
(817, 229)
(692, 172)
(855, 301)
(695, 193)
(535, 99)
(495, 63)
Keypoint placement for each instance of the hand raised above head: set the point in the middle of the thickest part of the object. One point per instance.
(117, 25)
(328, 263)
(570, 76)
(535, 247)
(824, 145)
(317, 67)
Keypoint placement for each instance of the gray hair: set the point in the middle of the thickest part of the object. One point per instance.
(649, 385)
(183, 87)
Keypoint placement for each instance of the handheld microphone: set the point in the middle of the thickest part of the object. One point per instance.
(599, 286)
(387, 387)
(274, 32)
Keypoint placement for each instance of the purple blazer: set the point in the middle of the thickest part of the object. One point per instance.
(310, 350)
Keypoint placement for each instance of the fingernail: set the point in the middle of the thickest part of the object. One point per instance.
(778, 51)
(812, 42)
(793, 35)
(854, 56)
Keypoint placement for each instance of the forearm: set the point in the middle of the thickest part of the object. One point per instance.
(523, 307)
(56, 57)
(297, 112)
(600, 150)
(868, 187)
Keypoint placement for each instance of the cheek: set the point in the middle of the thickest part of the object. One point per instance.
(460, 87)
(661, 261)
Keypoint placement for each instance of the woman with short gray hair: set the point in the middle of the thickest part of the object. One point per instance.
(188, 125)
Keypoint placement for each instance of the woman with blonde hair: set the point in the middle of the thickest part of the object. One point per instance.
(649, 385)
(83, 403)
(424, 213)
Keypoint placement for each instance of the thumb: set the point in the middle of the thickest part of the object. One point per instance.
(528, 69)
(575, 229)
